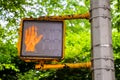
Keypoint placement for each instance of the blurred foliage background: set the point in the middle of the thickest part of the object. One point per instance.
(78, 39)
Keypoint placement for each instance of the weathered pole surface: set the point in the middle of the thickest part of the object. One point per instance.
(102, 52)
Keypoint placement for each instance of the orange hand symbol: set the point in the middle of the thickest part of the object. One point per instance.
(31, 38)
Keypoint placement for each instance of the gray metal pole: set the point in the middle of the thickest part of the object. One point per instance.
(102, 52)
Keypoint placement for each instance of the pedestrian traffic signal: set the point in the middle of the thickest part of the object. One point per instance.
(41, 39)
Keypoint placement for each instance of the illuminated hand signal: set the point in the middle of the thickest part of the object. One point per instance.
(31, 38)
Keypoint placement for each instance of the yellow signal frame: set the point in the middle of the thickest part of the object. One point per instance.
(38, 59)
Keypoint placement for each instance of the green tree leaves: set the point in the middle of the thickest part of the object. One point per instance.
(78, 46)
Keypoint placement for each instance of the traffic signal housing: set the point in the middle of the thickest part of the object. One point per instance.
(41, 39)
